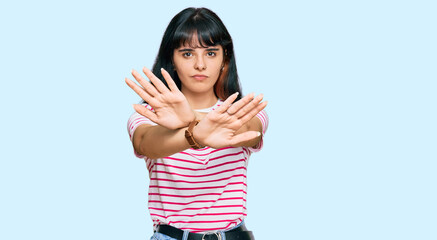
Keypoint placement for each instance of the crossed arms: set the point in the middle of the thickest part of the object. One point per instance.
(230, 125)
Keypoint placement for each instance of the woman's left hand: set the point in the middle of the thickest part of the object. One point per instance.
(171, 108)
(219, 128)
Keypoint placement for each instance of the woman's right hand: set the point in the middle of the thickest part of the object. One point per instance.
(170, 107)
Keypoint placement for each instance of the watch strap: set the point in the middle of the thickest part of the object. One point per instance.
(189, 135)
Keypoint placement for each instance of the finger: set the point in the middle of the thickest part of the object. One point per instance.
(145, 112)
(240, 103)
(146, 84)
(225, 105)
(171, 84)
(246, 118)
(139, 90)
(248, 106)
(156, 81)
(243, 137)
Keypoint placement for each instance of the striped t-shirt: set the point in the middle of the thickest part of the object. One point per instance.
(200, 190)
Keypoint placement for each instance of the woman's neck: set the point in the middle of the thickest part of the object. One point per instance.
(201, 100)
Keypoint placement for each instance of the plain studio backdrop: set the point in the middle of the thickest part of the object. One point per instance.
(350, 152)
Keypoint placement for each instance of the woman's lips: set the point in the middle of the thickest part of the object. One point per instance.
(199, 77)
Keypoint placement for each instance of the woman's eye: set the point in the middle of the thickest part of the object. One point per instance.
(187, 54)
(211, 54)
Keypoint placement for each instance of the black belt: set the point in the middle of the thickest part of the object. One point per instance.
(239, 233)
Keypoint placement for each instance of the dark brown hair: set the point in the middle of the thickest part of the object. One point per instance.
(210, 31)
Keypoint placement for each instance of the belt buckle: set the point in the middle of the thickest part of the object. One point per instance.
(217, 234)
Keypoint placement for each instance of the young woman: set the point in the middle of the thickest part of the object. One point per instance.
(196, 132)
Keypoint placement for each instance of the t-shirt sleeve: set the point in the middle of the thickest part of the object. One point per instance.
(135, 121)
(262, 116)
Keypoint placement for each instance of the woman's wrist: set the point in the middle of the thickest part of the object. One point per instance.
(197, 116)
(186, 122)
(196, 136)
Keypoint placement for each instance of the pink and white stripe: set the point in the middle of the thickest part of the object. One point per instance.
(198, 190)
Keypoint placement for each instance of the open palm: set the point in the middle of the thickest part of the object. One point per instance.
(219, 127)
(170, 107)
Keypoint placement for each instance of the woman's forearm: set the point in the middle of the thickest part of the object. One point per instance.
(157, 141)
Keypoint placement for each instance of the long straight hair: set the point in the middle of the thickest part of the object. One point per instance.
(210, 31)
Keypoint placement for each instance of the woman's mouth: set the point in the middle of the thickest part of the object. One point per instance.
(199, 77)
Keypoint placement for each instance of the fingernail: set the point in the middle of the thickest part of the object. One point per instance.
(259, 134)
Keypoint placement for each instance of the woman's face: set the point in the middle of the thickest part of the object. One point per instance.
(198, 68)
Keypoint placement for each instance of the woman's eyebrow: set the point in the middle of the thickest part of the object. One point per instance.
(186, 50)
(192, 50)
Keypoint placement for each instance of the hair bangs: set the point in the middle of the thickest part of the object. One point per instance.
(206, 31)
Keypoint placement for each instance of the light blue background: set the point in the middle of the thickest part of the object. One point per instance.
(351, 148)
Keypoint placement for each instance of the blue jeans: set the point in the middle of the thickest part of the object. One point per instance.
(160, 236)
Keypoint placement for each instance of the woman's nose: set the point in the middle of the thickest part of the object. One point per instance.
(200, 64)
